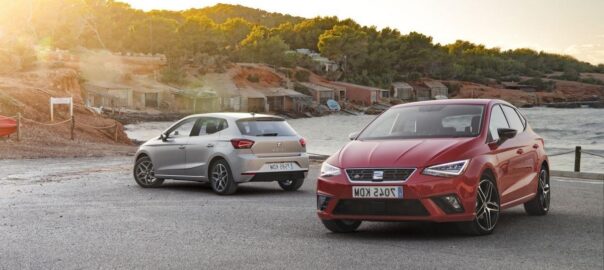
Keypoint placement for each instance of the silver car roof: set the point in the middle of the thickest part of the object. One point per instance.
(233, 115)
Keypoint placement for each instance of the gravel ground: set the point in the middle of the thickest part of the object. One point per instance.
(89, 213)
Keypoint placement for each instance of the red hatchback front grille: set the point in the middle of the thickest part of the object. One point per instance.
(385, 175)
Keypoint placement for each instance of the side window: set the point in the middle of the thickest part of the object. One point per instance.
(183, 129)
(522, 118)
(209, 126)
(497, 121)
(513, 118)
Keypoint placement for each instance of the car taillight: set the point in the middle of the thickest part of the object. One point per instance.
(303, 142)
(242, 143)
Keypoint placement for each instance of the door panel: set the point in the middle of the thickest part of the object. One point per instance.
(198, 152)
(202, 145)
(521, 171)
(169, 157)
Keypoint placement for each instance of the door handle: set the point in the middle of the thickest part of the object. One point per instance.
(535, 146)
(519, 151)
(181, 147)
(210, 145)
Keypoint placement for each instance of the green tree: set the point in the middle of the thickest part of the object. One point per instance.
(153, 35)
(345, 44)
(199, 34)
(261, 46)
(235, 30)
(308, 32)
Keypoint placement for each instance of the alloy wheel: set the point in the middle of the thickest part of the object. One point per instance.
(220, 177)
(145, 172)
(487, 205)
(544, 189)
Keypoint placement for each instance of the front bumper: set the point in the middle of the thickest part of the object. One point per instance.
(250, 167)
(420, 201)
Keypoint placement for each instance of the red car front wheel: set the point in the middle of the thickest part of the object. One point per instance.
(487, 208)
(341, 226)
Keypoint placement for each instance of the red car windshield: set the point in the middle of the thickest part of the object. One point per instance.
(426, 121)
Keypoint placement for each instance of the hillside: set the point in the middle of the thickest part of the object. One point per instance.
(364, 54)
(28, 93)
(220, 13)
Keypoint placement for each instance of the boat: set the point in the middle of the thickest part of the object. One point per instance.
(8, 126)
(333, 105)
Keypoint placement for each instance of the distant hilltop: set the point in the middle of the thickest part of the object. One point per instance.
(360, 54)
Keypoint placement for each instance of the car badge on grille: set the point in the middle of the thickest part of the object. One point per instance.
(378, 175)
(356, 176)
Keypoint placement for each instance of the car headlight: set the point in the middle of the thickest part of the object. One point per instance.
(329, 170)
(447, 169)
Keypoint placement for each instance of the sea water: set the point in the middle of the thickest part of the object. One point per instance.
(562, 129)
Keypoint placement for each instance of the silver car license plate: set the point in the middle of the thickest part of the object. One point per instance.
(282, 166)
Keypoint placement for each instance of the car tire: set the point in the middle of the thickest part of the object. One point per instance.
(221, 178)
(292, 185)
(487, 208)
(539, 206)
(144, 173)
(341, 226)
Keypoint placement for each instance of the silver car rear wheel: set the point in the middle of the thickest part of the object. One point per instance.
(221, 178)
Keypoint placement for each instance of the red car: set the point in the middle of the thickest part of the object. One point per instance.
(461, 160)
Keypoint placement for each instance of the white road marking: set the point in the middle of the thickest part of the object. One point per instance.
(593, 182)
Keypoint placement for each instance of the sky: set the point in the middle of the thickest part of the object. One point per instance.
(558, 26)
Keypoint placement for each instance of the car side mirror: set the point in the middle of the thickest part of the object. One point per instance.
(506, 134)
(353, 136)
(163, 137)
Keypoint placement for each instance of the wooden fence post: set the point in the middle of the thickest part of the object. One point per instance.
(115, 132)
(72, 127)
(578, 159)
(19, 127)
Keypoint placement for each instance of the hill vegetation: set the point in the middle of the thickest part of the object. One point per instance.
(367, 55)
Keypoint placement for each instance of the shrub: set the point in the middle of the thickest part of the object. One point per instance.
(540, 84)
(414, 76)
(253, 78)
(302, 75)
(172, 76)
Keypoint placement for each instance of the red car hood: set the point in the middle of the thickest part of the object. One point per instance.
(413, 153)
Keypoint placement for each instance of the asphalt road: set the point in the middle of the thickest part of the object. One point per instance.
(89, 213)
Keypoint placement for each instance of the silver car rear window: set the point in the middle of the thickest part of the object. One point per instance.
(265, 126)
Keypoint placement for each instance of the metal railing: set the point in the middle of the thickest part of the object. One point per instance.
(578, 151)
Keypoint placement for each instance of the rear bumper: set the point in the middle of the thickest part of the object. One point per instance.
(249, 167)
(420, 201)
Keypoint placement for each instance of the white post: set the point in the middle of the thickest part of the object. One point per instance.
(52, 114)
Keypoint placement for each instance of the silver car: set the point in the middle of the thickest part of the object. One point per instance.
(225, 149)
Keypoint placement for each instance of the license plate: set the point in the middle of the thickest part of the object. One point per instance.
(377, 192)
(283, 166)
